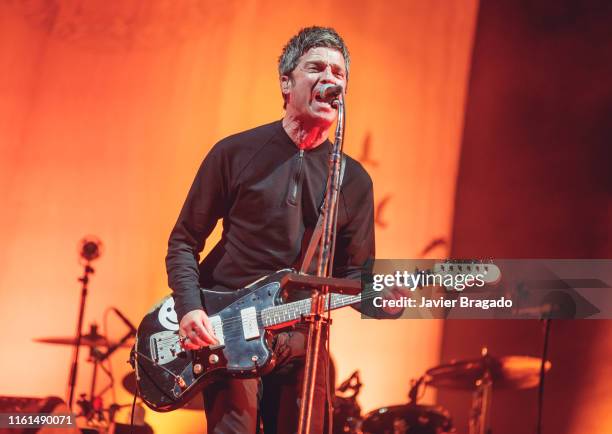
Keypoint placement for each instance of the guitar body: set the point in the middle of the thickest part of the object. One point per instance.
(168, 376)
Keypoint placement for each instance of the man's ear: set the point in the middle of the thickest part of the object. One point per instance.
(285, 84)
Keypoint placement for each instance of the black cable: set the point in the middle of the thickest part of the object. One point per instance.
(547, 323)
(133, 408)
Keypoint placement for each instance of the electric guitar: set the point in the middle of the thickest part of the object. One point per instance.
(168, 376)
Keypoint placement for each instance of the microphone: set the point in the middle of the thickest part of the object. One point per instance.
(90, 248)
(330, 91)
(125, 320)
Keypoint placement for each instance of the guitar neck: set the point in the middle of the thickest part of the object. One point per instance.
(290, 312)
(286, 313)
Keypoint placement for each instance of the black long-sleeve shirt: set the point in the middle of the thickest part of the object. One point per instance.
(268, 193)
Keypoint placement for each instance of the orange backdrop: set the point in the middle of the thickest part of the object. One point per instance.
(107, 109)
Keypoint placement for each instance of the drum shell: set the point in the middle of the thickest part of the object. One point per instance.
(408, 419)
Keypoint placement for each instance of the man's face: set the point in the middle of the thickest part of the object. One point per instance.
(318, 66)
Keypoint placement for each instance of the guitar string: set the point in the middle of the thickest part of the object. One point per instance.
(337, 301)
(230, 321)
(370, 294)
(232, 326)
(285, 309)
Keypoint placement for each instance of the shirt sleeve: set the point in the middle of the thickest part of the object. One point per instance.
(204, 206)
(355, 245)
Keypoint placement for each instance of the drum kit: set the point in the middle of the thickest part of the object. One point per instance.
(94, 416)
(481, 376)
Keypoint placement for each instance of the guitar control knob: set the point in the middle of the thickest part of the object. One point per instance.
(255, 358)
(197, 369)
(213, 358)
(181, 382)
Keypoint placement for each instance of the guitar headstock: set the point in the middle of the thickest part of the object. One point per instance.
(485, 272)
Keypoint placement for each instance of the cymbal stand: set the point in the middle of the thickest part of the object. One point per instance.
(316, 320)
(94, 406)
(79, 334)
(415, 386)
(481, 400)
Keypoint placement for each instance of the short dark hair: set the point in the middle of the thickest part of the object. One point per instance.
(304, 40)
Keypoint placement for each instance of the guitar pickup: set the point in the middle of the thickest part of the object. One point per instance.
(249, 323)
(217, 325)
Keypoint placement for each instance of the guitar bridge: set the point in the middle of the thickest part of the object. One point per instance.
(165, 346)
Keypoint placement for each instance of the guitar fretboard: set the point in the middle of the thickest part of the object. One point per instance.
(289, 312)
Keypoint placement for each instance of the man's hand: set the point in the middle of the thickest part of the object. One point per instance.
(196, 331)
(394, 293)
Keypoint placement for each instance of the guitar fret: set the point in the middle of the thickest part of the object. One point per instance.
(291, 311)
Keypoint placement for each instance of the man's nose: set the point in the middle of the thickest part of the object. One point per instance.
(328, 76)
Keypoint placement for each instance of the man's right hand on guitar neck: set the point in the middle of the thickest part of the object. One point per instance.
(196, 331)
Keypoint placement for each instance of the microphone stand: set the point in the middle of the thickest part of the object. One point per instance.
(75, 363)
(316, 319)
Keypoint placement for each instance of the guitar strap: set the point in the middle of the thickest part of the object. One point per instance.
(318, 230)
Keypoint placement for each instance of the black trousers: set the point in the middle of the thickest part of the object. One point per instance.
(238, 406)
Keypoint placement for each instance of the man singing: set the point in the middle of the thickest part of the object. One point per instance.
(267, 184)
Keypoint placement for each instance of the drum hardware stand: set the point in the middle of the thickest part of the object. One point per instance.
(481, 400)
(353, 383)
(346, 407)
(547, 324)
(413, 394)
(94, 406)
(89, 251)
(482, 376)
(316, 319)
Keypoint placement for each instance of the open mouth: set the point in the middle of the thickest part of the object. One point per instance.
(318, 98)
(325, 102)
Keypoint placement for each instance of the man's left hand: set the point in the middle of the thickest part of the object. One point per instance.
(393, 293)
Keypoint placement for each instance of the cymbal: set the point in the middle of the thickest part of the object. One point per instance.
(507, 372)
(129, 384)
(88, 340)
